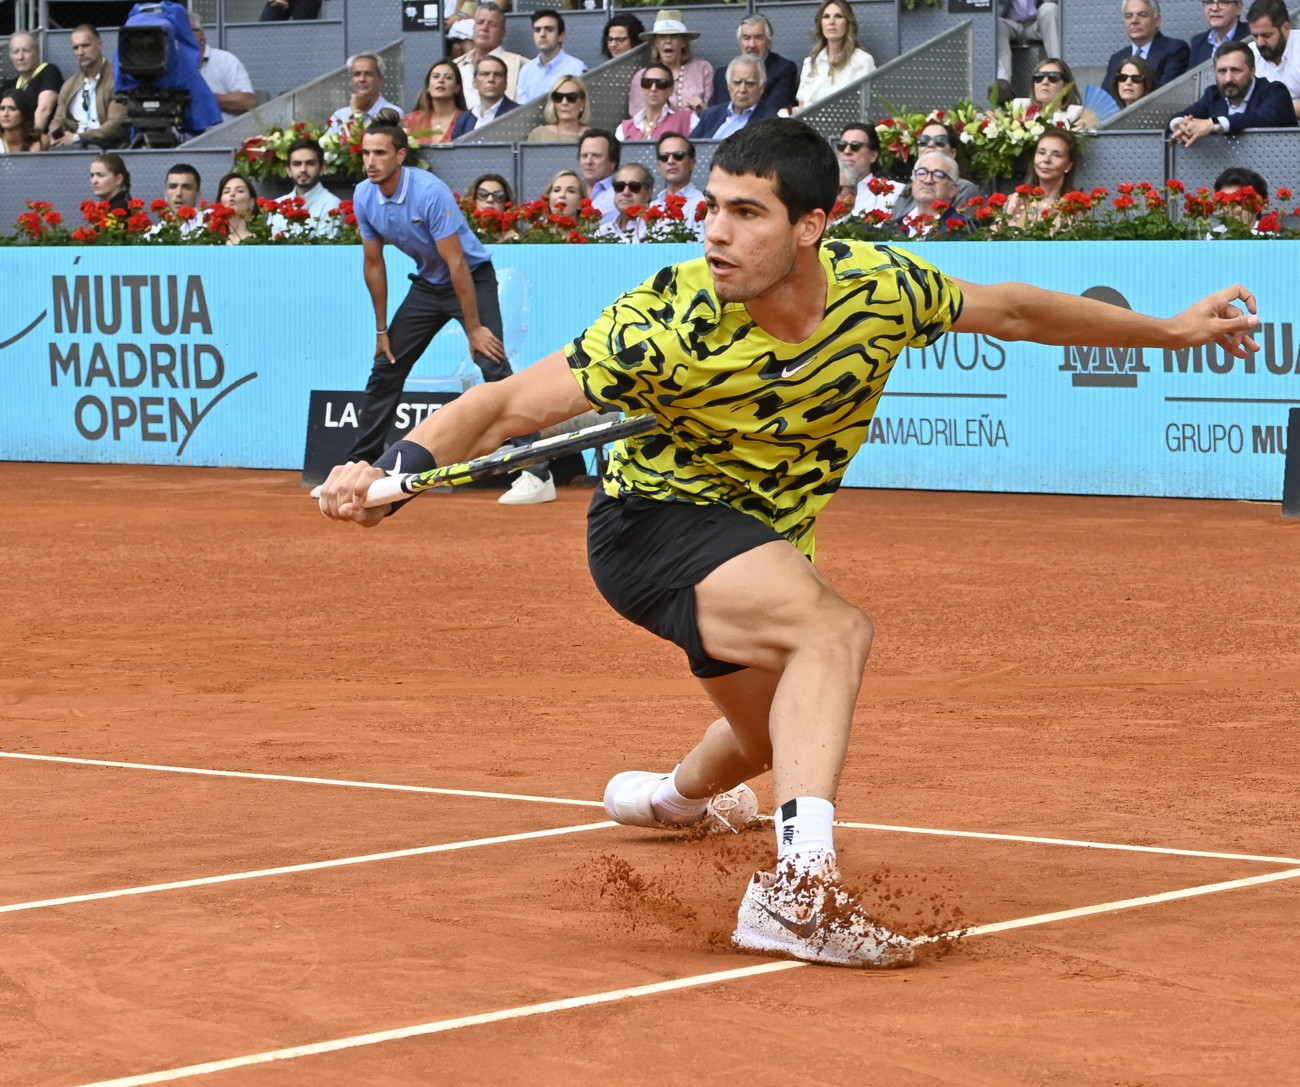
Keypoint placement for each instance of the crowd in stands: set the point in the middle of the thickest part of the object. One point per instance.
(677, 98)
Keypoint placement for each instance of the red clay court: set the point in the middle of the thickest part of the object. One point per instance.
(1077, 739)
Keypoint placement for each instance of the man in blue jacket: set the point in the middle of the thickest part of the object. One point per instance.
(755, 37)
(1225, 25)
(746, 79)
(1236, 102)
(1168, 56)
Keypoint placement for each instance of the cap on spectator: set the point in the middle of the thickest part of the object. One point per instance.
(461, 31)
(669, 21)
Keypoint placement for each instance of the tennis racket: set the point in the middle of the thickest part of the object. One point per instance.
(394, 488)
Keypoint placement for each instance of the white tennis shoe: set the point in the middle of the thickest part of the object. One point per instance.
(812, 918)
(528, 490)
(628, 795)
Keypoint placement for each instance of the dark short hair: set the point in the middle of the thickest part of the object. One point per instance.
(634, 27)
(306, 143)
(542, 13)
(793, 155)
(659, 143)
(394, 132)
(615, 148)
(186, 168)
(483, 60)
(1241, 177)
(873, 137)
(1236, 47)
(1273, 10)
(235, 175)
(93, 31)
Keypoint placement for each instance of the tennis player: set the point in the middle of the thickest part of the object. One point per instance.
(764, 361)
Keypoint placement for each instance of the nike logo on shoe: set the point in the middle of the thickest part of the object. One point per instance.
(803, 929)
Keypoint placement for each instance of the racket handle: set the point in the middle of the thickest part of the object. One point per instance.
(385, 490)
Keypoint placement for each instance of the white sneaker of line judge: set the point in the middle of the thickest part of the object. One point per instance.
(528, 490)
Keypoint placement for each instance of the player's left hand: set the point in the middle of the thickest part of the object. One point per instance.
(342, 495)
(483, 342)
(1215, 319)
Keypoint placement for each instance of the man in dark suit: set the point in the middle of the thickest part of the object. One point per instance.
(755, 37)
(490, 77)
(1236, 102)
(745, 78)
(1225, 25)
(1168, 56)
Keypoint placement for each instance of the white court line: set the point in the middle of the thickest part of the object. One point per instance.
(598, 804)
(441, 1025)
(302, 780)
(312, 866)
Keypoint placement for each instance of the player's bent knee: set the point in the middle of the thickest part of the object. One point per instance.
(843, 629)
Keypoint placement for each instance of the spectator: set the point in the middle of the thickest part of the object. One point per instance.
(1236, 102)
(440, 113)
(835, 61)
(1055, 156)
(1053, 80)
(745, 78)
(564, 118)
(224, 74)
(1167, 56)
(676, 158)
(565, 193)
(110, 181)
(1027, 21)
(1231, 182)
(490, 192)
(182, 189)
(551, 61)
(633, 185)
(934, 182)
(670, 45)
(859, 149)
(490, 86)
(1275, 58)
(38, 80)
(87, 114)
(306, 165)
(656, 117)
(936, 136)
(755, 36)
(236, 192)
(1133, 80)
(489, 33)
(366, 72)
(1225, 25)
(17, 127)
(278, 11)
(622, 34)
(598, 157)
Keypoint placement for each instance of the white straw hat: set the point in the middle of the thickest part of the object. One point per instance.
(669, 21)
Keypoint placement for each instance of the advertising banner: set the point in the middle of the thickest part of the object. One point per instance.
(209, 356)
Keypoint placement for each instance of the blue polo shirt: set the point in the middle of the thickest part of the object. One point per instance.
(420, 213)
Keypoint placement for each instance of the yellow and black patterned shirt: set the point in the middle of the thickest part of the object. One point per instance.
(764, 426)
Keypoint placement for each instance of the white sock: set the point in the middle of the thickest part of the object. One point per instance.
(804, 835)
(669, 806)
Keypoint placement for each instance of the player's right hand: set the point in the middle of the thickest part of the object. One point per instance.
(342, 495)
(382, 350)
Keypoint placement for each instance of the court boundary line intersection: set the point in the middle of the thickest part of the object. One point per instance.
(592, 999)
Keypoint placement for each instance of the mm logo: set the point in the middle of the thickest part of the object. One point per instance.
(1105, 367)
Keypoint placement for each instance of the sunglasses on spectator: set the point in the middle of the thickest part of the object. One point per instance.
(1130, 77)
(659, 84)
(630, 186)
(940, 140)
(676, 156)
(922, 174)
(491, 196)
(850, 145)
(85, 99)
(566, 96)
(1049, 77)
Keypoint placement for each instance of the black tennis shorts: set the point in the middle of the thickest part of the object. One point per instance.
(647, 556)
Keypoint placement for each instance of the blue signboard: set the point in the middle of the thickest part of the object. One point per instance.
(208, 356)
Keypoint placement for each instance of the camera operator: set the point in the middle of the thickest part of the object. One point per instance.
(158, 76)
(87, 114)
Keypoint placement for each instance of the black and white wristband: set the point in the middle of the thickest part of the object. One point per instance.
(405, 458)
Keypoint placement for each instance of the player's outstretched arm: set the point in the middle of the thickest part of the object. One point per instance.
(1017, 311)
(476, 423)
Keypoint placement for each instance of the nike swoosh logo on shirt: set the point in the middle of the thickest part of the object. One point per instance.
(790, 371)
(802, 929)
